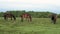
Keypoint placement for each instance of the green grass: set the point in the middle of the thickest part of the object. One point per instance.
(37, 26)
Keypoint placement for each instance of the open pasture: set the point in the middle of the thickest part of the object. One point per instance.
(37, 26)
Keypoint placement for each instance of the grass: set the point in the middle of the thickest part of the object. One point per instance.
(37, 26)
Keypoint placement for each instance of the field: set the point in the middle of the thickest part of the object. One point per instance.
(37, 26)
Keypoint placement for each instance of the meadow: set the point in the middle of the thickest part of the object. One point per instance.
(37, 26)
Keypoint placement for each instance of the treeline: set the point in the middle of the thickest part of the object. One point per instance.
(32, 13)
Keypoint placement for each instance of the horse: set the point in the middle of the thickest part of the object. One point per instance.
(9, 15)
(26, 16)
(54, 18)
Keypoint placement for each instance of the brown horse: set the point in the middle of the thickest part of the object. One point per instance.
(9, 15)
(26, 16)
(54, 18)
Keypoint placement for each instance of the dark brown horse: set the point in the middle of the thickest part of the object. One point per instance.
(54, 18)
(26, 16)
(9, 15)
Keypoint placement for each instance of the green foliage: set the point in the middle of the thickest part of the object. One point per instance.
(33, 14)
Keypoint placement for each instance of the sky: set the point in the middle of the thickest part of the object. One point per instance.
(30, 5)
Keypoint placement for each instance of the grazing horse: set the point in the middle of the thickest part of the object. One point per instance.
(9, 15)
(26, 16)
(54, 18)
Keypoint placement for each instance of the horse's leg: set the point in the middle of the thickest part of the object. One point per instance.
(21, 19)
(30, 19)
(5, 18)
(27, 19)
(11, 18)
(55, 21)
(14, 17)
(52, 21)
